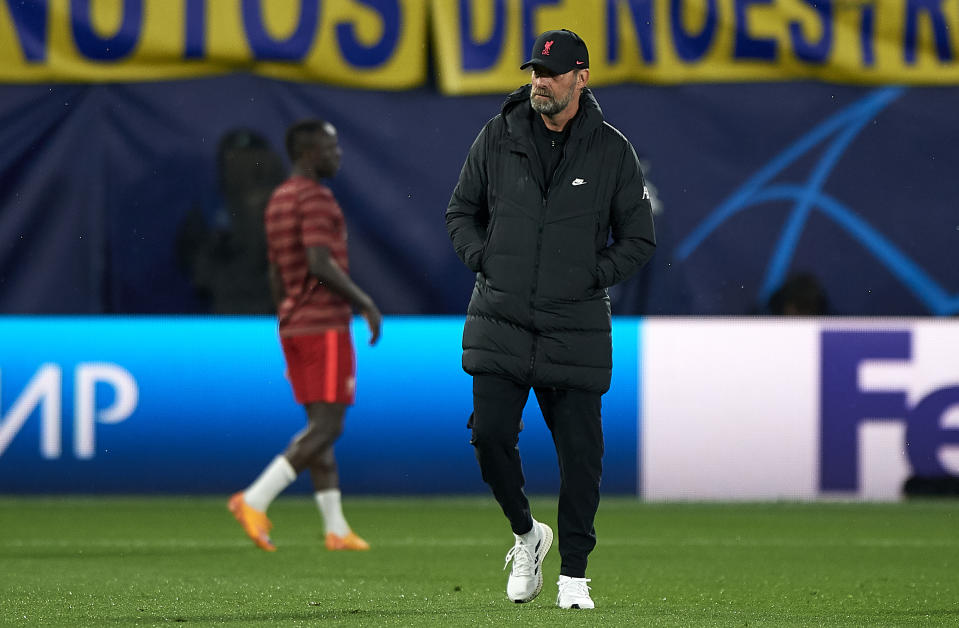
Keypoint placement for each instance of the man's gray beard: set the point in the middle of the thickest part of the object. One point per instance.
(552, 106)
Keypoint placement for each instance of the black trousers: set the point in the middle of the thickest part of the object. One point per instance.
(573, 417)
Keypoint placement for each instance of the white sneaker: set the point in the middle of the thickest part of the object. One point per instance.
(573, 593)
(526, 578)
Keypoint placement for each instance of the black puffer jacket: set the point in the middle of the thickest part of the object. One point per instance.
(539, 313)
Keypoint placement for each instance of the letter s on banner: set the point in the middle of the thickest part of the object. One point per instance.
(379, 53)
(127, 394)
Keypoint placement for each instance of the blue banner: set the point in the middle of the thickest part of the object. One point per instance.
(751, 184)
(201, 405)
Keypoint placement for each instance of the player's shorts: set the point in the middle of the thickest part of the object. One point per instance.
(321, 367)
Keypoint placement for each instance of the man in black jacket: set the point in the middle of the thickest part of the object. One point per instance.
(550, 210)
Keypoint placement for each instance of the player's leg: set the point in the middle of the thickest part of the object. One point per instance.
(313, 449)
(307, 359)
(496, 423)
(327, 394)
(324, 472)
(574, 418)
(326, 494)
(250, 505)
(324, 424)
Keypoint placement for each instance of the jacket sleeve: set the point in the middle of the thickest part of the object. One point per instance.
(631, 224)
(467, 214)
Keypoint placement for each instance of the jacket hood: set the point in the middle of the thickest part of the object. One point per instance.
(517, 110)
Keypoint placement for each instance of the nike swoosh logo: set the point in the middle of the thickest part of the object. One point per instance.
(579, 181)
(580, 62)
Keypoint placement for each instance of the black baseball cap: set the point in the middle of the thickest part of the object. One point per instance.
(559, 52)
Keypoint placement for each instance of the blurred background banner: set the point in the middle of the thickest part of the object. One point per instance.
(479, 44)
(699, 408)
(200, 405)
(124, 193)
(146, 198)
(800, 157)
(740, 409)
(369, 43)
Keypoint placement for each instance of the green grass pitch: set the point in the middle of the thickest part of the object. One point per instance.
(68, 561)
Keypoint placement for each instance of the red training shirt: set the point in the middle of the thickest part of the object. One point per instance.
(303, 213)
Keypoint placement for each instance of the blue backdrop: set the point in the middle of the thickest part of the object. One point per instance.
(212, 408)
(754, 182)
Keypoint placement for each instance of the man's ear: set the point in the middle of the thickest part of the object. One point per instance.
(583, 77)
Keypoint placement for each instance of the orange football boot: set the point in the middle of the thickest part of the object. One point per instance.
(349, 542)
(254, 522)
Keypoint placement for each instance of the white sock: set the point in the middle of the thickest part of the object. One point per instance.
(275, 477)
(530, 537)
(328, 502)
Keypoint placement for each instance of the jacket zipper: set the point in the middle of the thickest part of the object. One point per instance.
(539, 248)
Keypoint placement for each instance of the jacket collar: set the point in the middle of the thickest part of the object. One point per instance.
(516, 112)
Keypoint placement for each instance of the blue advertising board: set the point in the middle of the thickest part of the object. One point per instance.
(201, 404)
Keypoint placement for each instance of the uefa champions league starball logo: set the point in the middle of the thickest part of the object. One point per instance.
(832, 137)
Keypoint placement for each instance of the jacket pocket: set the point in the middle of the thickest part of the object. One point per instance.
(490, 226)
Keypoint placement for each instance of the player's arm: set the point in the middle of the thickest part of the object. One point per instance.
(277, 290)
(322, 266)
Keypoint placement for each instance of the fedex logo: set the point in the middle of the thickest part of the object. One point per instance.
(846, 405)
(43, 392)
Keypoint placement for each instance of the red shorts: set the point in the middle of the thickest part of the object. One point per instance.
(321, 367)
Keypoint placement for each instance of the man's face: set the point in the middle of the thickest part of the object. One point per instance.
(551, 93)
(325, 153)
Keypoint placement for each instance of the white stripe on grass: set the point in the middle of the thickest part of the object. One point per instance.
(411, 541)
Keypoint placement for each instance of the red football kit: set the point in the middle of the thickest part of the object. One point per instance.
(314, 321)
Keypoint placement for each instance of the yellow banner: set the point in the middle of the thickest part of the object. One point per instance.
(359, 43)
(479, 44)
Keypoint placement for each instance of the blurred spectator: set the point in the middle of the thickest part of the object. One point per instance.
(800, 295)
(226, 261)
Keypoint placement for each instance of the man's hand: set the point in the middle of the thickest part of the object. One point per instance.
(373, 320)
(322, 266)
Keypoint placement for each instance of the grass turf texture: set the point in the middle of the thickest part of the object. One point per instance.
(437, 562)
